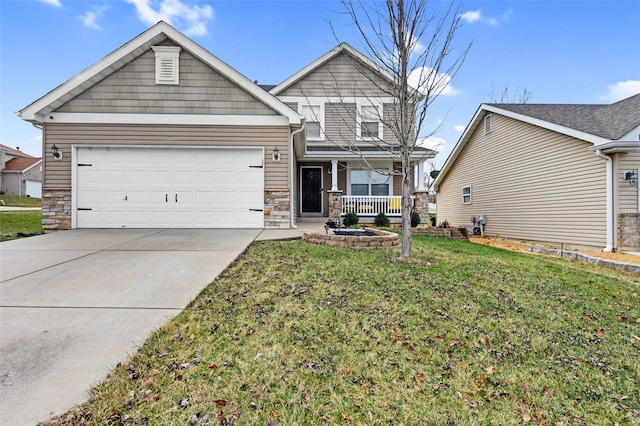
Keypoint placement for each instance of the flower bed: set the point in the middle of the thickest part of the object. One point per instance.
(379, 239)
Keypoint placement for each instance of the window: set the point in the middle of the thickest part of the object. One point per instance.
(167, 64)
(313, 115)
(369, 121)
(488, 124)
(466, 195)
(369, 182)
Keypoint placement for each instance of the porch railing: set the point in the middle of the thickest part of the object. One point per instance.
(372, 205)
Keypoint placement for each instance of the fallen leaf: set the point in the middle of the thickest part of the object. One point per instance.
(526, 417)
(213, 366)
(490, 369)
(149, 382)
(274, 414)
(463, 365)
(220, 402)
(540, 417)
(365, 389)
(547, 390)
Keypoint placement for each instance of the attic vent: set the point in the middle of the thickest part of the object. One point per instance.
(167, 64)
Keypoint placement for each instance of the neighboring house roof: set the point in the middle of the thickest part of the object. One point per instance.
(14, 152)
(21, 164)
(37, 111)
(340, 49)
(602, 125)
(607, 121)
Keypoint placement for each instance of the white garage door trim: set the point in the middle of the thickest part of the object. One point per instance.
(170, 189)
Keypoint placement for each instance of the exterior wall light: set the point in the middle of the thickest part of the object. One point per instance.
(57, 154)
(275, 155)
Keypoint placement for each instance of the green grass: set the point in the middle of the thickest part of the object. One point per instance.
(17, 224)
(464, 334)
(15, 201)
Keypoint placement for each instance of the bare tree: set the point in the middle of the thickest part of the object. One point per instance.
(504, 95)
(413, 45)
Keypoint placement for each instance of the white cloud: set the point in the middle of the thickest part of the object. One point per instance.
(190, 18)
(476, 16)
(432, 142)
(622, 90)
(471, 16)
(459, 128)
(90, 17)
(55, 3)
(425, 80)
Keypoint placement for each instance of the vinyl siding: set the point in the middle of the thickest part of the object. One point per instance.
(531, 183)
(338, 77)
(627, 194)
(58, 173)
(132, 89)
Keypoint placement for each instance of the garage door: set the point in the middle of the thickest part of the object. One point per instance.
(34, 189)
(169, 188)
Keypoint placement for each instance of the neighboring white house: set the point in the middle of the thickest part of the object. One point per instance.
(561, 174)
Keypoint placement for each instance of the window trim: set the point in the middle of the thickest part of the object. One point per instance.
(321, 119)
(469, 194)
(380, 107)
(167, 55)
(488, 124)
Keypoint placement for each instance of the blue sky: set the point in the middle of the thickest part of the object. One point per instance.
(562, 51)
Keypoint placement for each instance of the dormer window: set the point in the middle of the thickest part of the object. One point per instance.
(167, 64)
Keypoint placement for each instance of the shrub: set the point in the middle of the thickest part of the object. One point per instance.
(381, 220)
(444, 224)
(350, 219)
(415, 219)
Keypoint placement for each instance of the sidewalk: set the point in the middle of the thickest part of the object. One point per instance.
(294, 233)
(17, 209)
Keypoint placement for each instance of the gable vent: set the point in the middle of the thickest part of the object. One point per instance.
(167, 64)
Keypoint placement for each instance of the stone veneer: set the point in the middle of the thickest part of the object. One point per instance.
(335, 205)
(629, 230)
(277, 209)
(421, 206)
(56, 208)
(382, 240)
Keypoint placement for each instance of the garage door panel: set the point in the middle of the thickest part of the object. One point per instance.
(170, 187)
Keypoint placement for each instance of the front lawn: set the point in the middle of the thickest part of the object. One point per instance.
(16, 224)
(15, 201)
(298, 334)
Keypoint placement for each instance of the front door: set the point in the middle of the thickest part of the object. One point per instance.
(311, 184)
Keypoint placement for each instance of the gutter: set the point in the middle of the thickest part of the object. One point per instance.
(609, 199)
(292, 155)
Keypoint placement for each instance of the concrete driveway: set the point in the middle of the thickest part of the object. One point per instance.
(75, 303)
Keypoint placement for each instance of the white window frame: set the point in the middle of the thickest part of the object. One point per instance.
(488, 124)
(469, 194)
(167, 56)
(380, 108)
(321, 119)
(380, 170)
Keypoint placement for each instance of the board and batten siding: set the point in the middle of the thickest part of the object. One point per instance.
(132, 89)
(627, 193)
(531, 183)
(57, 174)
(340, 76)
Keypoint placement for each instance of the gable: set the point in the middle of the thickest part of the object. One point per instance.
(38, 111)
(133, 89)
(344, 75)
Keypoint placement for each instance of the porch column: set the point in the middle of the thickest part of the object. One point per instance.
(335, 205)
(418, 174)
(334, 175)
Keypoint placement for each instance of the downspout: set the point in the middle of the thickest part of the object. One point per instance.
(292, 155)
(609, 201)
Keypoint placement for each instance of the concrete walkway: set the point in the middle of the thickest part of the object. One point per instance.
(75, 303)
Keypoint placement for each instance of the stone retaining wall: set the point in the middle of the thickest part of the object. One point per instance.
(606, 263)
(383, 239)
(459, 234)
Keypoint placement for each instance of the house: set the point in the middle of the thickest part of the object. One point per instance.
(162, 133)
(562, 174)
(20, 173)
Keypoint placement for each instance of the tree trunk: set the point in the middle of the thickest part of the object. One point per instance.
(406, 207)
